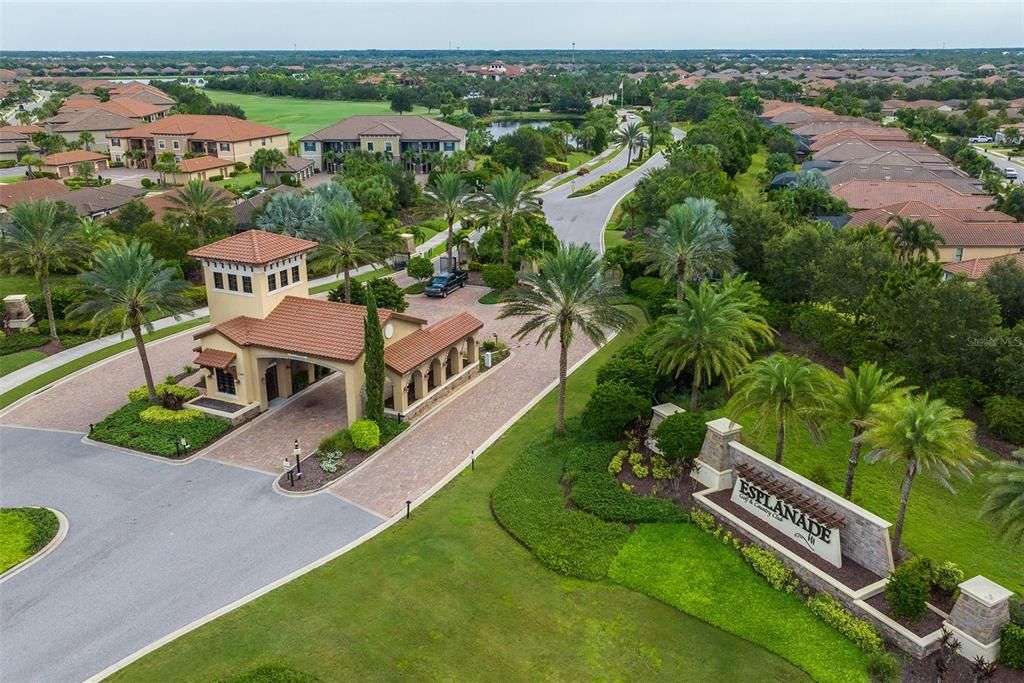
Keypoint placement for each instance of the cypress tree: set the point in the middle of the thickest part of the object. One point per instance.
(373, 360)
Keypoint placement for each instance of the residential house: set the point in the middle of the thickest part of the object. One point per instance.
(874, 194)
(101, 201)
(65, 164)
(200, 168)
(101, 124)
(495, 71)
(224, 137)
(406, 137)
(30, 191)
(297, 167)
(14, 145)
(975, 268)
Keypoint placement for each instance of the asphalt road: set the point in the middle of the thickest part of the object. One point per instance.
(151, 547)
(581, 220)
(1002, 162)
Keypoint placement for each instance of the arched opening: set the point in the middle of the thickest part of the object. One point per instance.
(453, 365)
(436, 376)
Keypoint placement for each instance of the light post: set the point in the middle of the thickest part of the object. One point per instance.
(574, 53)
(287, 465)
(297, 452)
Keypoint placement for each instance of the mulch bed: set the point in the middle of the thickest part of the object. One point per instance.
(960, 671)
(314, 478)
(51, 347)
(680, 491)
(850, 574)
(941, 600)
(928, 623)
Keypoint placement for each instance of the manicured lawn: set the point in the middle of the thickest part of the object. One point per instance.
(613, 238)
(491, 297)
(449, 595)
(749, 182)
(241, 182)
(16, 361)
(940, 524)
(124, 427)
(691, 570)
(8, 179)
(299, 116)
(23, 283)
(372, 275)
(23, 533)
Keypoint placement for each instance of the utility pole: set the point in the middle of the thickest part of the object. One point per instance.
(574, 54)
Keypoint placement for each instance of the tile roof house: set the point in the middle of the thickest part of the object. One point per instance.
(66, 164)
(30, 191)
(101, 201)
(200, 168)
(872, 194)
(98, 122)
(225, 137)
(395, 136)
(159, 204)
(265, 332)
(140, 111)
(976, 268)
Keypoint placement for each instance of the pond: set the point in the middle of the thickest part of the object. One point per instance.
(503, 127)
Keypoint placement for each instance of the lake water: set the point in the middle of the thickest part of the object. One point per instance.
(500, 129)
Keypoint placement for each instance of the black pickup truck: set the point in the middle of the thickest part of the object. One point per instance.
(445, 283)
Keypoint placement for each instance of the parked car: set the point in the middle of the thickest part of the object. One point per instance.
(979, 139)
(444, 284)
(1010, 172)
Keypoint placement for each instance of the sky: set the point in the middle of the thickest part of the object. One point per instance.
(505, 24)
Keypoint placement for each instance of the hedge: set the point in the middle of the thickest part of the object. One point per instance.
(161, 415)
(611, 407)
(1012, 647)
(529, 503)
(599, 184)
(124, 427)
(835, 615)
(1004, 415)
(13, 343)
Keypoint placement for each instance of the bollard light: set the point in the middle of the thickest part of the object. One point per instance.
(408, 508)
(472, 460)
(297, 452)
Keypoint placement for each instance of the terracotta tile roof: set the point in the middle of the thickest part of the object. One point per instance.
(205, 127)
(203, 163)
(255, 247)
(91, 119)
(214, 358)
(22, 130)
(976, 267)
(159, 204)
(30, 191)
(312, 327)
(131, 108)
(956, 230)
(72, 157)
(411, 127)
(412, 350)
(92, 200)
(872, 194)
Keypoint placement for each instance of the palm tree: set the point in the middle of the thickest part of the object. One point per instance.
(1004, 503)
(86, 138)
(200, 207)
(632, 136)
(129, 283)
(926, 435)
(450, 193)
(289, 213)
(714, 330)
(656, 122)
(858, 398)
(690, 242)
(94, 235)
(39, 240)
(24, 117)
(346, 242)
(505, 201)
(785, 392)
(570, 294)
(915, 237)
(630, 206)
(267, 159)
(31, 160)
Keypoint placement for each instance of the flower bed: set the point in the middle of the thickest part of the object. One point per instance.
(125, 427)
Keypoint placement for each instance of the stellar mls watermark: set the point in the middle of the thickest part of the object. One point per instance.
(994, 341)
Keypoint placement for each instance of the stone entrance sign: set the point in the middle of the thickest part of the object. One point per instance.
(811, 533)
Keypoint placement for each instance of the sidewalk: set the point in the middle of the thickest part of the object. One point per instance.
(550, 183)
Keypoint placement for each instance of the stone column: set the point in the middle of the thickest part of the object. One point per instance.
(420, 387)
(978, 617)
(715, 451)
(400, 392)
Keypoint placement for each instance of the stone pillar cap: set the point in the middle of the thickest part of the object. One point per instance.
(724, 426)
(988, 593)
(15, 298)
(666, 409)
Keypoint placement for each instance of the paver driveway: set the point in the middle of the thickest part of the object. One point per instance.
(151, 547)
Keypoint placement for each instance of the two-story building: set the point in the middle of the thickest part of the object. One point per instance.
(409, 138)
(224, 137)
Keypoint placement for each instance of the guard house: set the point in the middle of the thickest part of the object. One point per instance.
(268, 338)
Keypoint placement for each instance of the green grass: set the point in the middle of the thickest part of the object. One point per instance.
(687, 568)
(416, 288)
(613, 238)
(66, 369)
(23, 533)
(22, 283)
(240, 183)
(749, 182)
(16, 361)
(463, 602)
(940, 525)
(124, 427)
(491, 297)
(8, 179)
(299, 116)
(372, 275)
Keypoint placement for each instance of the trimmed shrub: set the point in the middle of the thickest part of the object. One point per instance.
(240, 166)
(386, 292)
(768, 565)
(638, 372)
(1012, 653)
(882, 667)
(959, 392)
(170, 395)
(124, 427)
(1004, 415)
(365, 434)
(215, 178)
(13, 343)
(681, 436)
(908, 589)
(161, 415)
(611, 407)
(147, 183)
(499, 276)
(390, 428)
(838, 617)
(947, 576)
(419, 268)
(197, 295)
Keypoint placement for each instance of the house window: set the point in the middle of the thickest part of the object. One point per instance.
(225, 382)
(369, 146)
(264, 142)
(295, 274)
(449, 146)
(284, 278)
(115, 142)
(271, 282)
(117, 157)
(225, 147)
(218, 280)
(232, 282)
(161, 144)
(175, 144)
(387, 147)
(308, 146)
(958, 255)
(177, 158)
(247, 284)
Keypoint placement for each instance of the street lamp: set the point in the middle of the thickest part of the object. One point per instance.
(297, 452)
(574, 53)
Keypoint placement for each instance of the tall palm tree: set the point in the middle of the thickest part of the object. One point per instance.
(1004, 502)
(39, 240)
(713, 330)
(94, 235)
(200, 207)
(926, 435)
(86, 138)
(785, 392)
(690, 242)
(505, 201)
(289, 213)
(450, 193)
(267, 159)
(915, 237)
(32, 160)
(346, 242)
(630, 206)
(632, 136)
(129, 283)
(570, 294)
(858, 398)
(656, 122)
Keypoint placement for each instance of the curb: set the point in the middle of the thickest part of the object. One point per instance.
(58, 538)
